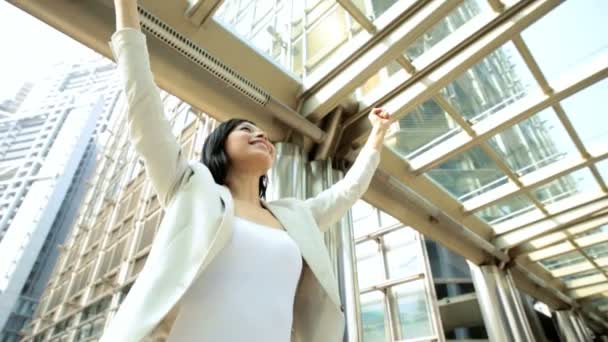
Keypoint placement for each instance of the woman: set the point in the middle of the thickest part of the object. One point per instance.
(225, 264)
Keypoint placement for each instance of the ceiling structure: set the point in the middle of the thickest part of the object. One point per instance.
(498, 149)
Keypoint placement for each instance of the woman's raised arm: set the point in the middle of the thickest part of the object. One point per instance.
(126, 14)
(149, 129)
(332, 204)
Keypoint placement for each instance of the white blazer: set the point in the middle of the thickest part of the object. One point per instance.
(198, 219)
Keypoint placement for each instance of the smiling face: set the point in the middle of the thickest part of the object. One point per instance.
(248, 148)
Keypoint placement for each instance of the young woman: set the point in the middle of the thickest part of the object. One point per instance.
(225, 264)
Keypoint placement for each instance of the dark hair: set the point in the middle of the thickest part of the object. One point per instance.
(215, 158)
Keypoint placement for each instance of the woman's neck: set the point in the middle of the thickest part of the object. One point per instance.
(245, 188)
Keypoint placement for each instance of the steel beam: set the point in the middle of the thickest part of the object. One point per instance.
(553, 223)
(518, 111)
(360, 70)
(447, 60)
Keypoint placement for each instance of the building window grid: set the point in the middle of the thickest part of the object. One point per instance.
(390, 287)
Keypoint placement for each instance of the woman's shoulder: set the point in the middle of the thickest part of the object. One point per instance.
(287, 202)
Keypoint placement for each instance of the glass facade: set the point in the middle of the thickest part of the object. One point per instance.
(396, 301)
(299, 35)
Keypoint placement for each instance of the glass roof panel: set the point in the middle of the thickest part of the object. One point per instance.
(551, 251)
(534, 143)
(372, 88)
(468, 174)
(581, 275)
(506, 209)
(375, 8)
(297, 35)
(457, 17)
(595, 241)
(603, 169)
(454, 20)
(584, 109)
(555, 193)
(576, 43)
(421, 129)
(498, 80)
(555, 237)
(597, 251)
(572, 269)
(568, 259)
(586, 238)
(600, 302)
(586, 235)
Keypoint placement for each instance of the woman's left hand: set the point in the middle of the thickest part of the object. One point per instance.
(380, 119)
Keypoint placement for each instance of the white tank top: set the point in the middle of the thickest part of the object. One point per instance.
(247, 291)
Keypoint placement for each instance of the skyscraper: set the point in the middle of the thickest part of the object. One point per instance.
(48, 151)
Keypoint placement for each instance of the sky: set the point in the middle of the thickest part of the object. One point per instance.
(30, 47)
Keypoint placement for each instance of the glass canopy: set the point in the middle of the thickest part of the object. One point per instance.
(508, 124)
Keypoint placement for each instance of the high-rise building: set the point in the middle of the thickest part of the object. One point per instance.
(49, 150)
(111, 236)
(11, 105)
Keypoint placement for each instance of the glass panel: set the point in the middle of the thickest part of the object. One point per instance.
(584, 109)
(597, 251)
(600, 301)
(403, 254)
(325, 36)
(539, 141)
(580, 181)
(377, 80)
(420, 130)
(468, 174)
(445, 264)
(375, 8)
(262, 8)
(506, 209)
(370, 266)
(316, 10)
(361, 210)
(455, 19)
(570, 278)
(583, 40)
(297, 65)
(498, 80)
(562, 260)
(387, 220)
(590, 233)
(372, 317)
(275, 28)
(365, 219)
(603, 169)
(413, 316)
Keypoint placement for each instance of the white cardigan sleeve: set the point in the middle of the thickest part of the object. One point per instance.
(149, 129)
(331, 205)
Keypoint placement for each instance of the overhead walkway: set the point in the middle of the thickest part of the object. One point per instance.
(494, 152)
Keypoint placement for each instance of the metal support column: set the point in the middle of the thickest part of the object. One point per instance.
(535, 324)
(580, 326)
(502, 312)
(340, 244)
(287, 178)
(565, 326)
(291, 177)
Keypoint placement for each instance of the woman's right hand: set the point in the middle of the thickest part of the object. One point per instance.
(126, 14)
